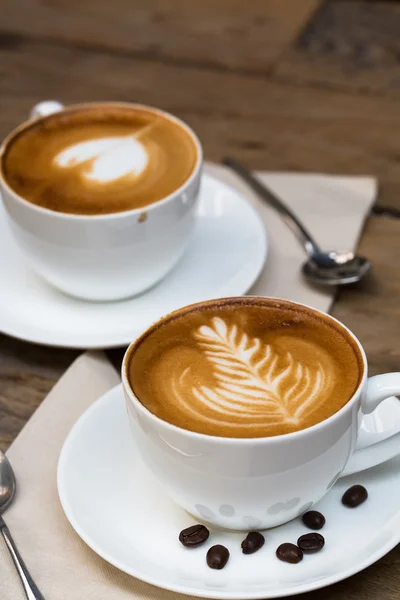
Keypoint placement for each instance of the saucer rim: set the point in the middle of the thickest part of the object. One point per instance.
(120, 340)
(111, 396)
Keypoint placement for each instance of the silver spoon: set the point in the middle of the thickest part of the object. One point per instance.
(327, 268)
(7, 493)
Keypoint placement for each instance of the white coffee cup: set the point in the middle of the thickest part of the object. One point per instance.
(110, 256)
(246, 483)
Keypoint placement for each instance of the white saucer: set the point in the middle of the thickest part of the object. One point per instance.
(122, 514)
(225, 257)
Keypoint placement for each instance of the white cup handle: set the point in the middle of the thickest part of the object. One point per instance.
(48, 107)
(379, 388)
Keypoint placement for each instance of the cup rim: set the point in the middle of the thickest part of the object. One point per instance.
(252, 441)
(107, 216)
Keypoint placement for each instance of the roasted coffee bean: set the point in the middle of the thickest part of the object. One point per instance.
(313, 519)
(354, 496)
(289, 553)
(253, 542)
(194, 536)
(217, 557)
(311, 542)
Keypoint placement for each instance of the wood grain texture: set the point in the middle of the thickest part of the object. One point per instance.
(27, 374)
(349, 46)
(267, 124)
(226, 34)
(372, 308)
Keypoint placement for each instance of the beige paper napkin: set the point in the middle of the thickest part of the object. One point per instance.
(64, 568)
(333, 208)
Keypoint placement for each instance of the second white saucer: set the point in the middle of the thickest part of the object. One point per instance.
(226, 255)
(123, 514)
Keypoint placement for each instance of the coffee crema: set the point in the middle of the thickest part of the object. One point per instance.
(99, 159)
(244, 367)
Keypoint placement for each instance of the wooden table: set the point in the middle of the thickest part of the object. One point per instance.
(300, 85)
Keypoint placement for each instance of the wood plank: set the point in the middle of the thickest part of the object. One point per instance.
(219, 34)
(27, 374)
(266, 124)
(371, 309)
(352, 46)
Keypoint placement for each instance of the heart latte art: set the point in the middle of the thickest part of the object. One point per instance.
(245, 371)
(99, 159)
(106, 159)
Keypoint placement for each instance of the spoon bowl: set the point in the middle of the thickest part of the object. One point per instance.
(335, 268)
(7, 483)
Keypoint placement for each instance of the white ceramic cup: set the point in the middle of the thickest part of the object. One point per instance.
(258, 483)
(110, 256)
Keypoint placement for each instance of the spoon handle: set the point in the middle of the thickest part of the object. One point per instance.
(266, 194)
(31, 591)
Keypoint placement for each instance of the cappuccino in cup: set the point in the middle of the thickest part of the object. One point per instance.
(101, 198)
(247, 410)
(96, 160)
(245, 367)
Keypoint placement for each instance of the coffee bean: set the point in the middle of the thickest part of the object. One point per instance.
(217, 557)
(289, 553)
(313, 519)
(354, 496)
(253, 542)
(194, 536)
(311, 542)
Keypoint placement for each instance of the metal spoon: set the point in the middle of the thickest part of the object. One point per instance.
(327, 268)
(7, 493)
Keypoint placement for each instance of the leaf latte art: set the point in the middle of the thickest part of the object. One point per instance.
(244, 367)
(251, 382)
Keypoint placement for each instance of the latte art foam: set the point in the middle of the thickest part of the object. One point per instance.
(107, 159)
(252, 381)
(99, 159)
(245, 371)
